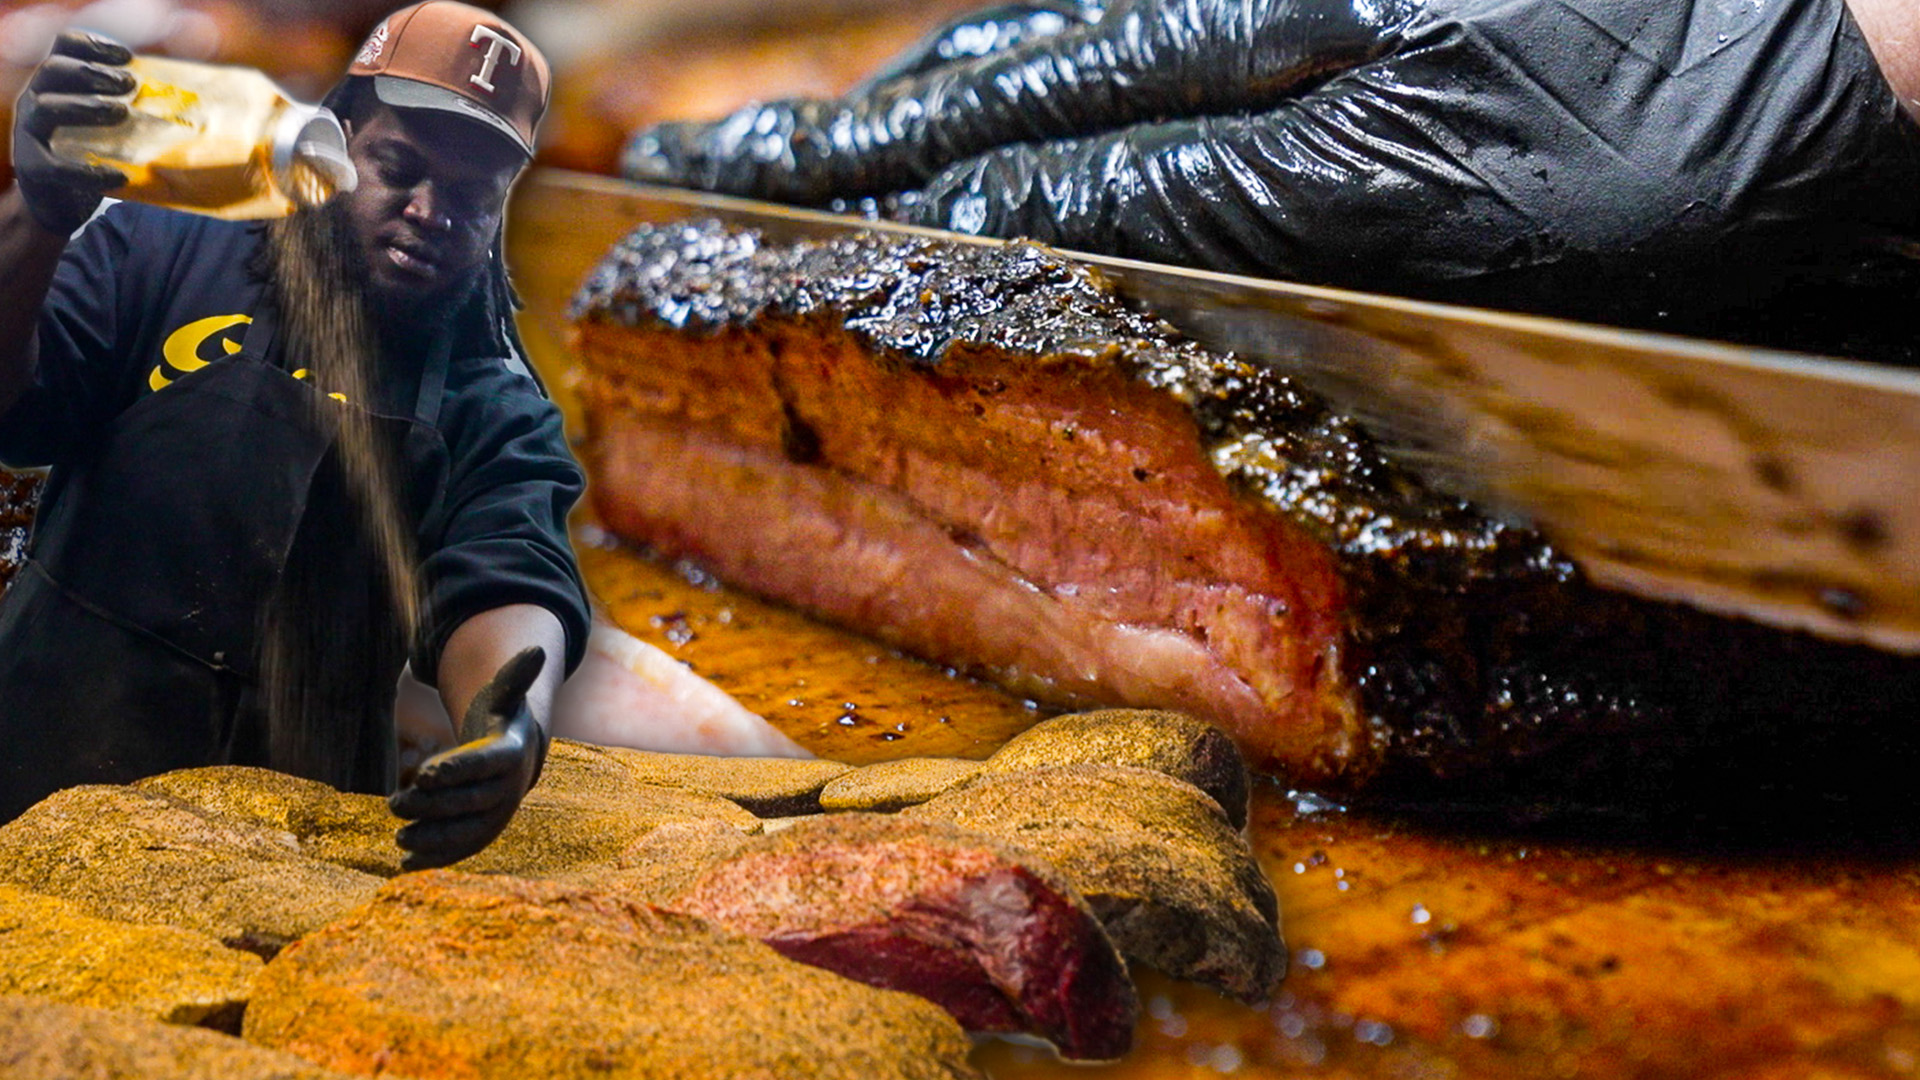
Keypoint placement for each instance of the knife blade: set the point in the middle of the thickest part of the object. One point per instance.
(1776, 486)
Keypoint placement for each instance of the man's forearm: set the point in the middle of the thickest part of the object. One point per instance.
(475, 652)
(28, 256)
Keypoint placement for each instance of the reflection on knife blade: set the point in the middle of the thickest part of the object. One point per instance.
(1781, 487)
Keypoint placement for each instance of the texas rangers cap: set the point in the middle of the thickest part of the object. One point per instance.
(460, 59)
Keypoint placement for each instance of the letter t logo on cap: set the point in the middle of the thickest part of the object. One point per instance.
(457, 58)
(495, 40)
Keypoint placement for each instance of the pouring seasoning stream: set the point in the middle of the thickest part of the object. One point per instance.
(330, 340)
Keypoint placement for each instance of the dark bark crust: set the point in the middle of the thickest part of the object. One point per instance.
(1477, 649)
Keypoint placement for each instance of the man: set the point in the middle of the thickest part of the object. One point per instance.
(1745, 170)
(200, 559)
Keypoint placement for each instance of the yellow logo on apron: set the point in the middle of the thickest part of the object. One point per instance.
(182, 350)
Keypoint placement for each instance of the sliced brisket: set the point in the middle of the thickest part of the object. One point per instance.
(978, 454)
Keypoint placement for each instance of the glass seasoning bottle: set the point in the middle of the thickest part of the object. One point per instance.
(216, 140)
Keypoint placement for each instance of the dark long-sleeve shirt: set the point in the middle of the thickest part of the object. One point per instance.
(143, 297)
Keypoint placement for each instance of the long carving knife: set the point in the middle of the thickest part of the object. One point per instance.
(1777, 486)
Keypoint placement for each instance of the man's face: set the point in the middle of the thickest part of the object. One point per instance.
(432, 188)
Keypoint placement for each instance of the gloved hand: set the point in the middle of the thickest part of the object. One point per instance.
(1136, 61)
(74, 85)
(1607, 159)
(461, 799)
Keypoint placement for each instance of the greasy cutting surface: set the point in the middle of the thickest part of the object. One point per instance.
(1427, 954)
(840, 696)
(1416, 953)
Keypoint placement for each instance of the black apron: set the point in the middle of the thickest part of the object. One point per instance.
(128, 642)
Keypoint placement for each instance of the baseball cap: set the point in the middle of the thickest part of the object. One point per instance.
(460, 59)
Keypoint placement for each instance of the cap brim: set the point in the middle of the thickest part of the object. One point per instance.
(413, 94)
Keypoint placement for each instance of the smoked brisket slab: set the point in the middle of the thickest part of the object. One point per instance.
(980, 455)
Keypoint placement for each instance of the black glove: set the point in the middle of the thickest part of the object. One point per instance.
(1609, 159)
(75, 85)
(1138, 61)
(461, 799)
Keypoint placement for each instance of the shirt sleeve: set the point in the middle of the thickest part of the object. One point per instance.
(502, 523)
(79, 380)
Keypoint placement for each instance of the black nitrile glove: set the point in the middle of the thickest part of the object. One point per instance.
(1137, 61)
(461, 799)
(1687, 164)
(74, 85)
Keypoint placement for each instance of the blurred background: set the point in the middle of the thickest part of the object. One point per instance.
(618, 64)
